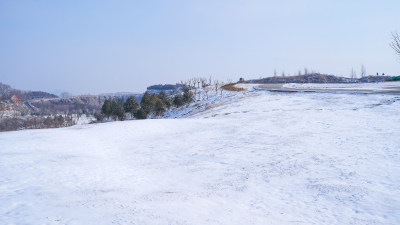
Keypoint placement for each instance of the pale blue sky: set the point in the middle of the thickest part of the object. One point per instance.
(108, 46)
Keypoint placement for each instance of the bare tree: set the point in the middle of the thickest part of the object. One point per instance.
(203, 82)
(305, 71)
(194, 81)
(395, 44)
(216, 84)
(204, 87)
(353, 74)
(363, 71)
(65, 94)
(275, 74)
(206, 91)
(221, 89)
(324, 78)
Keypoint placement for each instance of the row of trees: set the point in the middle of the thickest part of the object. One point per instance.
(394, 44)
(38, 122)
(157, 104)
(196, 84)
(363, 72)
(150, 104)
(299, 73)
(353, 73)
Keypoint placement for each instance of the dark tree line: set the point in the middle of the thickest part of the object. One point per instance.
(115, 109)
(162, 87)
(150, 104)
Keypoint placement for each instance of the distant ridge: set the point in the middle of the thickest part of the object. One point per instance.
(319, 78)
(6, 92)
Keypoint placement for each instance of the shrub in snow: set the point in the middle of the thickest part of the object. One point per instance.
(141, 114)
(131, 105)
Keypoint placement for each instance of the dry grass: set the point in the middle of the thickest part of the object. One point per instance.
(213, 106)
(231, 87)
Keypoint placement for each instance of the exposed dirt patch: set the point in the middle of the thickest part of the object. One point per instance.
(232, 87)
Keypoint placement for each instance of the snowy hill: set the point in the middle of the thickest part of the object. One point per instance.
(252, 157)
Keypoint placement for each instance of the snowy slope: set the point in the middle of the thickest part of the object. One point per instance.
(382, 87)
(361, 86)
(259, 158)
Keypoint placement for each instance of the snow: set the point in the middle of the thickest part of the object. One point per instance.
(253, 157)
(83, 119)
(203, 103)
(344, 86)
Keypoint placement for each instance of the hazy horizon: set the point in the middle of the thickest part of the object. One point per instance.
(90, 47)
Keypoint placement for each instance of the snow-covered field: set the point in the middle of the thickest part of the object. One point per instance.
(372, 87)
(259, 158)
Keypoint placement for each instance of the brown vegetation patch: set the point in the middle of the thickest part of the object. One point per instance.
(231, 87)
(214, 106)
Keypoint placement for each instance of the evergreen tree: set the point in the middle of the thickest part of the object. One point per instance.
(99, 116)
(106, 108)
(165, 99)
(141, 114)
(118, 110)
(145, 103)
(178, 100)
(187, 96)
(150, 103)
(159, 107)
(131, 105)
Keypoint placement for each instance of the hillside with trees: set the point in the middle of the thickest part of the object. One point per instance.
(151, 105)
(36, 109)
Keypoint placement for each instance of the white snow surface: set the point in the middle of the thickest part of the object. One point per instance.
(252, 157)
(354, 86)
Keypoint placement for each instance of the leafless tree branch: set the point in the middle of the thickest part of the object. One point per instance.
(395, 44)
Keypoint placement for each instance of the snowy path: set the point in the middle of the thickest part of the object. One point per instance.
(264, 159)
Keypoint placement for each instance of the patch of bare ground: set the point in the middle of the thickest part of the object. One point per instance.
(214, 106)
(232, 87)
